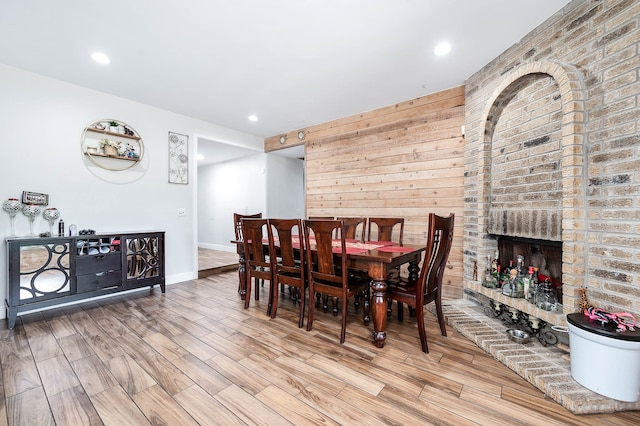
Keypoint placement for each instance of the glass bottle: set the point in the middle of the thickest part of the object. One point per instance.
(520, 265)
(546, 297)
(489, 280)
(526, 282)
(533, 286)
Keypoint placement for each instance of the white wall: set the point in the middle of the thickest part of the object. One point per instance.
(42, 121)
(285, 186)
(265, 183)
(237, 186)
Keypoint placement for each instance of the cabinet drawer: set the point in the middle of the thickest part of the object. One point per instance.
(92, 282)
(97, 263)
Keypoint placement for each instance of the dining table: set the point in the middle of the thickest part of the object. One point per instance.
(378, 259)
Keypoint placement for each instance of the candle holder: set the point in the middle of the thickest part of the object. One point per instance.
(51, 214)
(31, 211)
(12, 206)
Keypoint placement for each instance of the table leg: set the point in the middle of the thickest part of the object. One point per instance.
(379, 311)
(242, 276)
(414, 271)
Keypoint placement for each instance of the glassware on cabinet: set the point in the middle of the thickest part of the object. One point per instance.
(12, 206)
(51, 214)
(31, 211)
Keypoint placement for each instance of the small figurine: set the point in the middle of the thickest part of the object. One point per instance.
(584, 303)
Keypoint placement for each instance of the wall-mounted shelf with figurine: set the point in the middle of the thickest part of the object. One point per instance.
(120, 135)
(112, 145)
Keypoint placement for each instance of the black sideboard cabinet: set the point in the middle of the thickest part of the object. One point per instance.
(44, 272)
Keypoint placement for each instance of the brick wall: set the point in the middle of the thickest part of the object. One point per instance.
(562, 108)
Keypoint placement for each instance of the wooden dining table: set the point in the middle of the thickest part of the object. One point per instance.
(378, 258)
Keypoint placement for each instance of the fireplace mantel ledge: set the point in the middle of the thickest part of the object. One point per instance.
(551, 317)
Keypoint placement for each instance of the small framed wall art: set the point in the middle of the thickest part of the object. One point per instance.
(178, 158)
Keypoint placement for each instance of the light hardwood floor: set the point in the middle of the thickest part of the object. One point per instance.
(194, 356)
(212, 262)
(208, 259)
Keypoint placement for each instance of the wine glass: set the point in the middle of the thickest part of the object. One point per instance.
(51, 214)
(31, 211)
(12, 206)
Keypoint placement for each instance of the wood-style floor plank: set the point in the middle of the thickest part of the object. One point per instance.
(195, 356)
(116, 408)
(161, 409)
(20, 375)
(249, 409)
(73, 407)
(30, 407)
(204, 408)
(93, 374)
(57, 375)
(292, 409)
(129, 374)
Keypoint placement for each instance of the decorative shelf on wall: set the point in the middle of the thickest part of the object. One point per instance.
(112, 145)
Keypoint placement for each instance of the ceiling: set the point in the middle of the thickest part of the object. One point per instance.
(293, 63)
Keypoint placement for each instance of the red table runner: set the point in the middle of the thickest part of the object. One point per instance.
(395, 249)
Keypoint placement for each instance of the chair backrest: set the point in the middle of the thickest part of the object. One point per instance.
(438, 246)
(383, 227)
(286, 246)
(321, 263)
(237, 218)
(254, 231)
(321, 218)
(354, 227)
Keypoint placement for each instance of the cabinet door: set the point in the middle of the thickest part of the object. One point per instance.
(144, 256)
(38, 271)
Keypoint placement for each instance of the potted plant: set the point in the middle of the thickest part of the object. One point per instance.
(110, 148)
(114, 127)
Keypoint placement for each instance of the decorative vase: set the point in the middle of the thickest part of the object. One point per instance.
(31, 211)
(12, 206)
(51, 214)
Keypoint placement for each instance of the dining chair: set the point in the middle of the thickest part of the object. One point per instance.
(381, 228)
(257, 263)
(327, 268)
(354, 227)
(287, 254)
(429, 285)
(237, 221)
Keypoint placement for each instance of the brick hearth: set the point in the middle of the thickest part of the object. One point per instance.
(543, 367)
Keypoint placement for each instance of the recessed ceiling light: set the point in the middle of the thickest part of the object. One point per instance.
(253, 117)
(100, 58)
(199, 157)
(442, 49)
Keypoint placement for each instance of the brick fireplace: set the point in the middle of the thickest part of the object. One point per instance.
(551, 154)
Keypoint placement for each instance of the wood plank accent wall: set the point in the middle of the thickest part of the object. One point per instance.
(404, 160)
